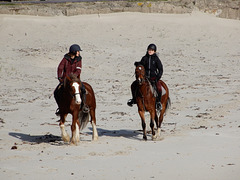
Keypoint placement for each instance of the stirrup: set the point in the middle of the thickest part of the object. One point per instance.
(158, 106)
(57, 112)
(130, 102)
(85, 108)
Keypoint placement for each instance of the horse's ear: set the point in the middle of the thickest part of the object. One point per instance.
(64, 82)
(68, 78)
(137, 63)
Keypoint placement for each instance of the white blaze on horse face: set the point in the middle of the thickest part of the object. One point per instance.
(139, 80)
(77, 93)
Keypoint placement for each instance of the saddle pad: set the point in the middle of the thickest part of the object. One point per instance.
(163, 91)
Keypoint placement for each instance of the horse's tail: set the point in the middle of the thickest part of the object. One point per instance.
(83, 119)
(168, 105)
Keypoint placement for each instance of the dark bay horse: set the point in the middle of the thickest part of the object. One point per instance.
(70, 102)
(146, 101)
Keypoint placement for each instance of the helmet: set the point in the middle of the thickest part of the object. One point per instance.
(153, 47)
(74, 48)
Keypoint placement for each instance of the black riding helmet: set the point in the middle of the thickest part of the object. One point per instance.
(74, 48)
(153, 47)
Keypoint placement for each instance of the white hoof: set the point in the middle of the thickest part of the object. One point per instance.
(95, 138)
(66, 138)
(154, 137)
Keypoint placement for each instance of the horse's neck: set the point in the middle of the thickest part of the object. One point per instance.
(146, 89)
(67, 89)
(67, 94)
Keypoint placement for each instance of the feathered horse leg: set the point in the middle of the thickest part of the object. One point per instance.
(64, 134)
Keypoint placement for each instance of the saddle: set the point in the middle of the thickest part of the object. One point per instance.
(157, 88)
(84, 106)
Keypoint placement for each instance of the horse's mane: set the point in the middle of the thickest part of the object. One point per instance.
(71, 78)
(138, 64)
(74, 78)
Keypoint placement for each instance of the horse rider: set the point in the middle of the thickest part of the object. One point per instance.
(154, 70)
(70, 64)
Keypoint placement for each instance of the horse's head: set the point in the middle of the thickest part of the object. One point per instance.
(73, 83)
(140, 74)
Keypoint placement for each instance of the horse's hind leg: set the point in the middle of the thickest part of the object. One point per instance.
(161, 117)
(93, 122)
(157, 124)
(141, 113)
(64, 134)
(160, 120)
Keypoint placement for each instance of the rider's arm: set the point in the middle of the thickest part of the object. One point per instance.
(78, 68)
(61, 68)
(160, 69)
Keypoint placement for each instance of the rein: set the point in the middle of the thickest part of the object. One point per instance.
(74, 94)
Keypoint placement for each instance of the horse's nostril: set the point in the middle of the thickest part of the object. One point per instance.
(78, 102)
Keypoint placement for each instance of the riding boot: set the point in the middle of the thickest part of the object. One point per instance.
(57, 96)
(134, 94)
(84, 106)
(158, 101)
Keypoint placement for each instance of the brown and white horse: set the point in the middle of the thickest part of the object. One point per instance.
(70, 102)
(146, 101)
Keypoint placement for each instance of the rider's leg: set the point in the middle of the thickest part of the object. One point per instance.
(57, 95)
(158, 99)
(134, 91)
(85, 107)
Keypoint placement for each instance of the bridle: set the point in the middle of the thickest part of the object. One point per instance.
(74, 95)
(141, 73)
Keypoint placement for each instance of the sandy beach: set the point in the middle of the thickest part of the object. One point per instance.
(201, 132)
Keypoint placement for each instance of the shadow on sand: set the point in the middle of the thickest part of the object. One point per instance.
(126, 133)
(48, 138)
(52, 139)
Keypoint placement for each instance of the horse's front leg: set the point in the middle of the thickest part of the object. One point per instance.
(152, 118)
(141, 113)
(64, 134)
(75, 127)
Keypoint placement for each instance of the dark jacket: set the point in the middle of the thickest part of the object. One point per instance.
(153, 66)
(69, 66)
